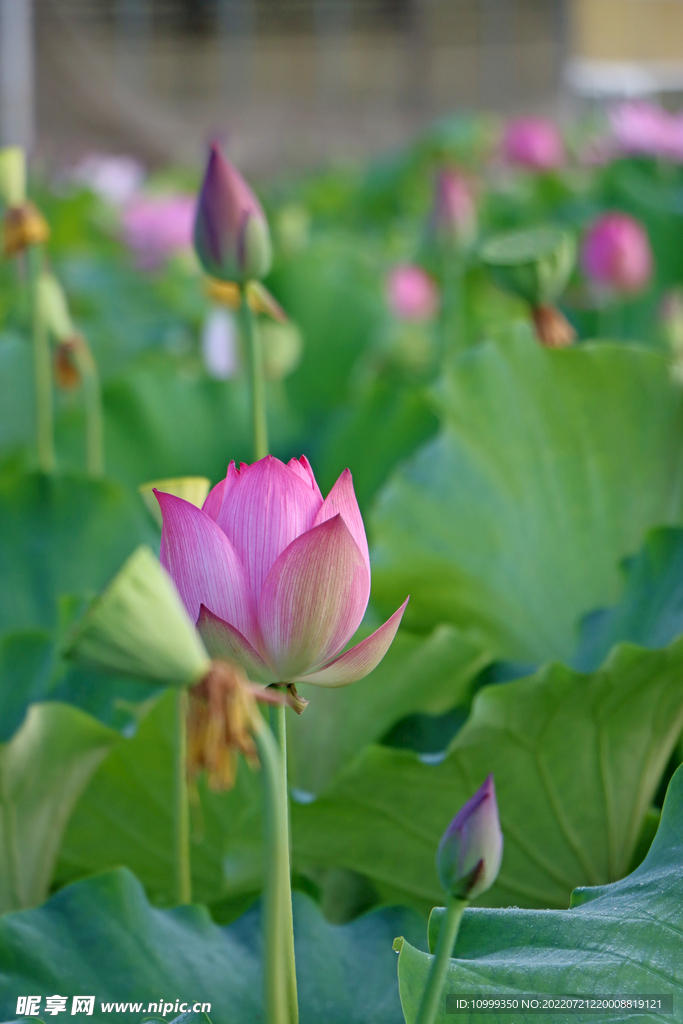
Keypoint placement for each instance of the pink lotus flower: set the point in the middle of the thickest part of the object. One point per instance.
(157, 227)
(644, 128)
(454, 217)
(411, 293)
(471, 849)
(616, 253)
(276, 578)
(533, 142)
(231, 233)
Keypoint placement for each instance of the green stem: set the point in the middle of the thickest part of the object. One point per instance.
(254, 347)
(431, 996)
(183, 871)
(92, 399)
(453, 326)
(278, 724)
(42, 368)
(277, 896)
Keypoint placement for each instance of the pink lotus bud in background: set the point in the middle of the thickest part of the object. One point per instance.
(646, 129)
(157, 227)
(115, 179)
(411, 293)
(454, 217)
(535, 143)
(616, 253)
(471, 849)
(275, 577)
(231, 233)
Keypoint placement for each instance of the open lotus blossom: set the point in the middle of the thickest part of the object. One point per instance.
(275, 577)
(646, 129)
(157, 227)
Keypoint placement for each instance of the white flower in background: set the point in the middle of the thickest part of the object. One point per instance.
(115, 179)
(220, 347)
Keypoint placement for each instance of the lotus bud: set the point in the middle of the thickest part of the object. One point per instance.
(282, 348)
(190, 488)
(139, 626)
(616, 253)
(534, 143)
(454, 217)
(471, 849)
(12, 176)
(231, 234)
(411, 293)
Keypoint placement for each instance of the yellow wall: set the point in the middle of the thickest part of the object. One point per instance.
(628, 30)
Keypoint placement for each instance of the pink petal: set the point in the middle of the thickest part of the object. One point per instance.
(302, 468)
(224, 641)
(214, 500)
(313, 599)
(265, 506)
(361, 659)
(204, 565)
(342, 500)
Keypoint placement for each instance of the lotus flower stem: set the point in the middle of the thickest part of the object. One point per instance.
(42, 367)
(254, 347)
(453, 324)
(92, 399)
(183, 869)
(444, 947)
(279, 980)
(278, 724)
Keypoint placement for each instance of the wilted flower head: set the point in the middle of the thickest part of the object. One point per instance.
(454, 217)
(616, 253)
(471, 849)
(647, 129)
(275, 577)
(411, 293)
(220, 723)
(157, 227)
(231, 234)
(535, 143)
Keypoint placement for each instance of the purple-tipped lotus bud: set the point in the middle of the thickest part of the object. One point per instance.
(231, 233)
(471, 849)
(454, 217)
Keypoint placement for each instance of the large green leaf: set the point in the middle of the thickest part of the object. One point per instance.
(650, 609)
(576, 761)
(100, 937)
(418, 674)
(512, 523)
(62, 534)
(43, 770)
(126, 817)
(619, 939)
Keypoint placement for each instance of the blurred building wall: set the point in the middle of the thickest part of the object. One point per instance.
(290, 82)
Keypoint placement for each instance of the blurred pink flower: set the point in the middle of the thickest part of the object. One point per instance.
(644, 128)
(533, 142)
(116, 179)
(411, 293)
(454, 216)
(156, 227)
(276, 578)
(616, 253)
